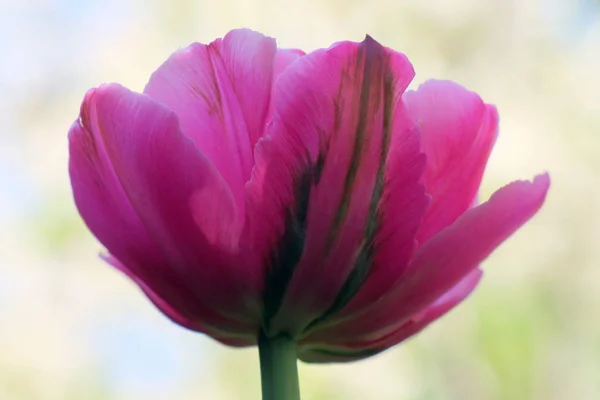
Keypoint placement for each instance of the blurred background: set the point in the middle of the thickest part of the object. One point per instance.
(73, 328)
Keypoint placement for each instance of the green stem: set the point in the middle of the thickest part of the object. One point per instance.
(278, 368)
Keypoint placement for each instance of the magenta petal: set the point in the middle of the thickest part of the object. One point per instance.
(100, 198)
(320, 172)
(451, 298)
(252, 61)
(402, 206)
(458, 131)
(142, 187)
(444, 260)
(221, 93)
(179, 309)
(334, 351)
(283, 59)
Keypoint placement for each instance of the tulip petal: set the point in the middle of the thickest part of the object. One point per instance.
(444, 260)
(221, 93)
(458, 132)
(319, 176)
(283, 59)
(400, 211)
(157, 204)
(100, 198)
(356, 350)
(179, 310)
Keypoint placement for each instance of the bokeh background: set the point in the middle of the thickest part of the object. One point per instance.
(73, 328)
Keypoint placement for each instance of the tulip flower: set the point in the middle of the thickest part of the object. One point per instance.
(305, 203)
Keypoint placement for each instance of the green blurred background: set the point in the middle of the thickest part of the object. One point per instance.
(72, 328)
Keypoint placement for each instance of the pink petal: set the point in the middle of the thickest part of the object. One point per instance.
(400, 211)
(156, 203)
(221, 94)
(458, 132)
(355, 350)
(179, 310)
(99, 195)
(283, 59)
(451, 298)
(444, 260)
(319, 174)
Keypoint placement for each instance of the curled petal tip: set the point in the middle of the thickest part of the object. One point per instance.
(542, 179)
(533, 191)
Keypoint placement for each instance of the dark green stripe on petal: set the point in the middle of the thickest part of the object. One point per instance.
(364, 259)
(289, 250)
(329, 356)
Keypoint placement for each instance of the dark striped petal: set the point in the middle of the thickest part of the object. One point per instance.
(332, 350)
(315, 194)
(445, 260)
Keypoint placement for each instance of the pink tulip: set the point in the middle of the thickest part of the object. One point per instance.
(257, 191)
